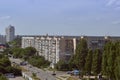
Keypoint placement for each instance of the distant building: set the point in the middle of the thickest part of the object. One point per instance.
(2, 39)
(55, 48)
(10, 33)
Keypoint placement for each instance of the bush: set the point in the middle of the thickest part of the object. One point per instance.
(38, 61)
(2, 77)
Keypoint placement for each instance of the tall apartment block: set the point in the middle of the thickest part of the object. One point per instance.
(2, 39)
(55, 48)
(10, 33)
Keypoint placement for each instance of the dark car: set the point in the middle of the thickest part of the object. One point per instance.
(9, 75)
(23, 63)
(69, 72)
(53, 73)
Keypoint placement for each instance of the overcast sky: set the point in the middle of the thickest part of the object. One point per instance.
(61, 17)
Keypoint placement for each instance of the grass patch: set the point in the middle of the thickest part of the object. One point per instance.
(23, 69)
(63, 76)
(58, 78)
(72, 78)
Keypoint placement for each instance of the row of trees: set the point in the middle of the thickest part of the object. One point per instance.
(5, 67)
(28, 54)
(38, 61)
(21, 53)
(5, 64)
(111, 60)
(106, 61)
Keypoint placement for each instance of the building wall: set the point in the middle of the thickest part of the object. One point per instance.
(45, 46)
(55, 48)
(28, 42)
(98, 42)
(2, 39)
(95, 42)
(10, 33)
(67, 48)
(48, 47)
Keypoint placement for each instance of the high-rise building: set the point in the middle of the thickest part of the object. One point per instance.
(10, 33)
(2, 39)
(53, 48)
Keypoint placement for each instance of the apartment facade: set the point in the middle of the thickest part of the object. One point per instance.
(55, 48)
(98, 42)
(48, 47)
(10, 33)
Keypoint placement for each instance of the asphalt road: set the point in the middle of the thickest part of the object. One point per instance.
(40, 73)
(43, 75)
(17, 78)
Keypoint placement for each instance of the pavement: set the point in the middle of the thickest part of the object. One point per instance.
(17, 78)
(41, 74)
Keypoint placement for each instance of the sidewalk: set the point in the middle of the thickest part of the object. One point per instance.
(17, 78)
(65, 77)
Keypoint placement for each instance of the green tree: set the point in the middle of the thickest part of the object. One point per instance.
(17, 52)
(30, 51)
(117, 62)
(117, 68)
(2, 69)
(88, 64)
(81, 53)
(38, 61)
(105, 58)
(8, 51)
(97, 60)
(5, 62)
(62, 66)
(71, 63)
(16, 43)
(110, 60)
(2, 77)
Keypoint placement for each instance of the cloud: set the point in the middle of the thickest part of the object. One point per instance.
(116, 22)
(118, 2)
(4, 17)
(117, 8)
(110, 2)
(115, 4)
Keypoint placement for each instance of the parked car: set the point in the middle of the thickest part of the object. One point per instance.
(23, 63)
(74, 72)
(69, 72)
(53, 73)
(10, 75)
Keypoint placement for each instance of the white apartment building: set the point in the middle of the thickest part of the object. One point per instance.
(28, 42)
(46, 46)
(53, 48)
(10, 33)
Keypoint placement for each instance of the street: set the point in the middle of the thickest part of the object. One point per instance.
(17, 78)
(43, 75)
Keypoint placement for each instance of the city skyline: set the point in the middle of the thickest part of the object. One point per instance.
(64, 17)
